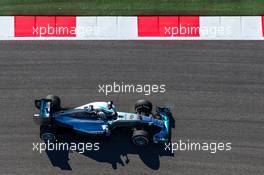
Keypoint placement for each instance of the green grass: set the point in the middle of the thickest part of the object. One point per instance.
(132, 7)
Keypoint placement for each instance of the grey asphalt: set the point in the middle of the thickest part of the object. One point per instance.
(214, 88)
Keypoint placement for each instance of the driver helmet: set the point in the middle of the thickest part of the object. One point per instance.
(101, 114)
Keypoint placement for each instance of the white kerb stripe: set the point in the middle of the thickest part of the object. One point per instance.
(107, 26)
(86, 27)
(127, 27)
(231, 26)
(7, 27)
(251, 27)
(209, 27)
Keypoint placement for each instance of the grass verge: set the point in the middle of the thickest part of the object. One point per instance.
(132, 7)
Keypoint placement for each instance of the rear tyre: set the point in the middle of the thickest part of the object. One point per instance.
(55, 102)
(47, 133)
(143, 107)
(140, 138)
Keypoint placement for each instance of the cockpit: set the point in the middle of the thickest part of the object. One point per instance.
(93, 115)
(86, 115)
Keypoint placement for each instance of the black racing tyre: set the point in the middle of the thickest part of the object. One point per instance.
(140, 138)
(47, 133)
(143, 106)
(55, 102)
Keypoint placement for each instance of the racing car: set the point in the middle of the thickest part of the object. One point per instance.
(101, 118)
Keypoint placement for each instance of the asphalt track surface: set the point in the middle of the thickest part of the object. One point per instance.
(215, 90)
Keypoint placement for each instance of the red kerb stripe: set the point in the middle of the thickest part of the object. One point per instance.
(45, 26)
(168, 26)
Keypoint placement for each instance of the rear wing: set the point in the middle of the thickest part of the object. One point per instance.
(44, 106)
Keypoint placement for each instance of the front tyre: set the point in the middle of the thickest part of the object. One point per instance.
(47, 133)
(140, 138)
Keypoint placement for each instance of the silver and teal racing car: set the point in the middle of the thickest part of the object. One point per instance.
(101, 118)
